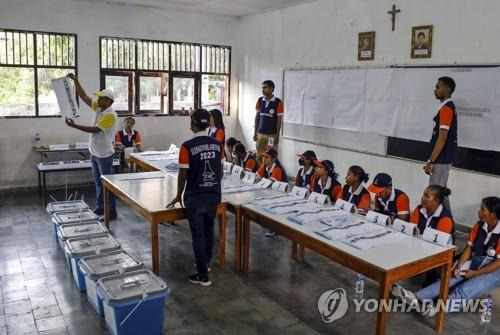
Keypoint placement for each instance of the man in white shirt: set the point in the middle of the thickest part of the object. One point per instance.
(101, 140)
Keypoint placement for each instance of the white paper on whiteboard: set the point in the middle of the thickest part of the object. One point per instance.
(348, 114)
(318, 111)
(66, 98)
(295, 87)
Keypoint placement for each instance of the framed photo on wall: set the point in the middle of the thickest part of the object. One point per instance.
(421, 42)
(366, 46)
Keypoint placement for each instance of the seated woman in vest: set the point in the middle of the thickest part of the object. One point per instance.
(325, 181)
(217, 129)
(245, 159)
(305, 175)
(474, 279)
(432, 213)
(128, 137)
(388, 200)
(272, 168)
(230, 143)
(354, 191)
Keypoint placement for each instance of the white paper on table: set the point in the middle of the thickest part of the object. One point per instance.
(280, 186)
(264, 183)
(227, 167)
(378, 218)
(249, 177)
(344, 230)
(81, 145)
(316, 215)
(299, 192)
(436, 236)
(376, 238)
(345, 206)
(66, 98)
(338, 217)
(404, 227)
(237, 171)
(240, 188)
(172, 148)
(265, 202)
(295, 206)
(59, 147)
(319, 198)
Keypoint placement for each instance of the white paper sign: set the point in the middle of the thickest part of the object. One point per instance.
(128, 151)
(237, 171)
(264, 183)
(300, 192)
(345, 206)
(280, 186)
(318, 198)
(227, 167)
(59, 147)
(404, 227)
(66, 98)
(436, 236)
(81, 145)
(172, 148)
(378, 218)
(249, 177)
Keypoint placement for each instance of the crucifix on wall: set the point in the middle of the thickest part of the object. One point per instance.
(393, 13)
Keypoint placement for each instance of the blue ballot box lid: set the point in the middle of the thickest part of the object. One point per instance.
(74, 216)
(110, 263)
(134, 285)
(64, 206)
(91, 245)
(71, 230)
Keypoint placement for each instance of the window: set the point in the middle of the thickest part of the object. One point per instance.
(28, 62)
(160, 77)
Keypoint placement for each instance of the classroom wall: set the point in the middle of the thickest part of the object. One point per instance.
(89, 20)
(324, 34)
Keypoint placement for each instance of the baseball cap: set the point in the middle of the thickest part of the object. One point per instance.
(381, 181)
(308, 154)
(106, 93)
(271, 153)
(200, 117)
(327, 165)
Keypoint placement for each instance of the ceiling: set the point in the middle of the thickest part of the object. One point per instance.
(231, 8)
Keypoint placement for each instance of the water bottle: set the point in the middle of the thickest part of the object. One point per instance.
(38, 141)
(360, 287)
(486, 314)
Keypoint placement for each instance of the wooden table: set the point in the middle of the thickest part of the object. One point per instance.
(148, 193)
(142, 161)
(381, 263)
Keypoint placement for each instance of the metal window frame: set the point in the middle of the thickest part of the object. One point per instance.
(36, 66)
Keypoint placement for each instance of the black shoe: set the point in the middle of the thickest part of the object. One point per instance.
(209, 269)
(99, 211)
(197, 279)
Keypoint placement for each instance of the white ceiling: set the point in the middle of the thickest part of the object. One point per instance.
(232, 8)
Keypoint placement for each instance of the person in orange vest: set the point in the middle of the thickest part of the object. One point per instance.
(325, 181)
(354, 191)
(305, 175)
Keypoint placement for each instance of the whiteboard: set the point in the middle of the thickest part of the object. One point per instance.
(379, 102)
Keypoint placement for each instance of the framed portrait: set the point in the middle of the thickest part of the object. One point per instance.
(366, 46)
(421, 42)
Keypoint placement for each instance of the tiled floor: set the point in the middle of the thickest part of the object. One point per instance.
(278, 296)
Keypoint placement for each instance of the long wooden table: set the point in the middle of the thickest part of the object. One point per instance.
(148, 193)
(381, 263)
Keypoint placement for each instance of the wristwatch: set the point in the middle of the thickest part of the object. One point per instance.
(430, 162)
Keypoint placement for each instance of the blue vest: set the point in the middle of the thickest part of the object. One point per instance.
(303, 181)
(205, 171)
(478, 246)
(392, 210)
(447, 155)
(124, 138)
(268, 116)
(422, 221)
(356, 198)
(326, 191)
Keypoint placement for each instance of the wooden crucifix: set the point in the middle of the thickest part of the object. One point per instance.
(393, 13)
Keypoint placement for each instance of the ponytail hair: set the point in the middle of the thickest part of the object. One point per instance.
(492, 204)
(440, 192)
(360, 173)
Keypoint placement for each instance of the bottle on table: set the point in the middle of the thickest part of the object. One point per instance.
(38, 141)
(360, 287)
(486, 314)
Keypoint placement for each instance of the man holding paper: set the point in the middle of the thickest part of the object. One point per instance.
(101, 140)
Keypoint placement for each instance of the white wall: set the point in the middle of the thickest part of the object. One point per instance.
(89, 20)
(324, 34)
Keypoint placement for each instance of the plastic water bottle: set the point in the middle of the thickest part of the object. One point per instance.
(38, 141)
(486, 314)
(360, 287)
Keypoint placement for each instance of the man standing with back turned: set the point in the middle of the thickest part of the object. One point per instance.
(443, 144)
(200, 174)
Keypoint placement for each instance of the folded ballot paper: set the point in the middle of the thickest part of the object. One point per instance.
(342, 230)
(272, 200)
(376, 238)
(326, 213)
(295, 206)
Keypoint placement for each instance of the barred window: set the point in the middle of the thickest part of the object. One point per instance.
(28, 62)
(162, 77)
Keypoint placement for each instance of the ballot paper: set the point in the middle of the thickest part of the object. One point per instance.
(66, 98)
(342, 230)
(380, 237)
(273, 200)
(317, 215)
(172, 166)
(295, 206)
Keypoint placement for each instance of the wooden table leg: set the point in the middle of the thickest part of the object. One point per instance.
(300, 256)
(154, 248)
(237, 239)
(294, 250)
(383, 295)
(222, 239)
(443, 293)
(246, 243)
(106, 205)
